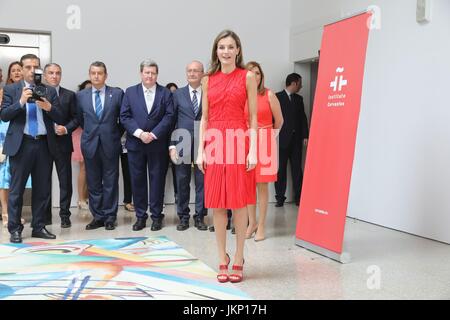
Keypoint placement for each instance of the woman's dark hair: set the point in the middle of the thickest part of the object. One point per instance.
(9, 80)
(170, 85)
(83, 85)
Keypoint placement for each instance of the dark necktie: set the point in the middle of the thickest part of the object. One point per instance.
(195, 102)
(98, 104)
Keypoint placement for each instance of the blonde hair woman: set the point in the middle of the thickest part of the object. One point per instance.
(270, 120)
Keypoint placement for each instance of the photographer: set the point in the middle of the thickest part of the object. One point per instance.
(31, 108)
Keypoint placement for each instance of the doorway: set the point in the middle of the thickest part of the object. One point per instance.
(309, 70)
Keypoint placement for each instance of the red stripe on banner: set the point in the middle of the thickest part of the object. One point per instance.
(334, 123)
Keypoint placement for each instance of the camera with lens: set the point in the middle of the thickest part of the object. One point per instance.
(39, 90)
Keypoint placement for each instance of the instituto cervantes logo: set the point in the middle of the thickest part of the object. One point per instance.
(338, 85)
(339, 81)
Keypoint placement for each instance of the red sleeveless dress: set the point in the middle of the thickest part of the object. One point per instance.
(267, 167)
(227, 183)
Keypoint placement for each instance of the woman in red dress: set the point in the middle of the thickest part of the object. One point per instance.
(270, 120)
(227, 149)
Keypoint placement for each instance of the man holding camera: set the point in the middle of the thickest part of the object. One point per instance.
(31, 108)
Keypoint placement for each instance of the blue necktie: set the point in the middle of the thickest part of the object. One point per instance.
(195, 102)
(32, 119)
(98, 104)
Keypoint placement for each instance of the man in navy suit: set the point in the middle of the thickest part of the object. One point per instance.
(187, 108)
(64, 146)
(30, 144)
(98, 110)
(147, 115)
(293, 136)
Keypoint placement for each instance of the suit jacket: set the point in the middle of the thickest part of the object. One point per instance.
(134, 115)
(185, 117)
(294, 119)
(68, 106)
(104, 131)
(12, 111)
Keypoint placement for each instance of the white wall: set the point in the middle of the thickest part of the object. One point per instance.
(123, 33)
(401, 172)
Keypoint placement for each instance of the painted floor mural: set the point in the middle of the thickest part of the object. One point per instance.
(107, 269)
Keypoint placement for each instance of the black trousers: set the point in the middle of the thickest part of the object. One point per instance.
(183, 175)
(102, 175)
(32, 158)
(174, 176)
(63, 163)
(148, 168)
(127, 190)
(293, 154)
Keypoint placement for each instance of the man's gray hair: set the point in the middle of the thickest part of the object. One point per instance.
(199, 62)
(149, 63)
(52, 64)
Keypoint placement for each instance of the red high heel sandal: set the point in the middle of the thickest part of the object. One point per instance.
(234, 278)
(223, 277)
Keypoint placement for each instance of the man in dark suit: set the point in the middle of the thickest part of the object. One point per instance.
(293, 136)
(98, 110)
(64, 147)
(30, 144)
(147, 115)
(187, 109)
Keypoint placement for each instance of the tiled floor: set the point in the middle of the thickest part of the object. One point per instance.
(386, 264)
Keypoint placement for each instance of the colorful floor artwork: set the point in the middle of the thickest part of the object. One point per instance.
(107, 269)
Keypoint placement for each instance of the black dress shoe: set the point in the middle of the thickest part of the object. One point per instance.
(95, 224)
(233, 231)
(16, 237)
(110, 225)
(229, 224)
(200, 224)
(43, 234)
(212, 229)
(183, 225)
(279, 204)
(65, 222)
(139, 225)
(156, 225)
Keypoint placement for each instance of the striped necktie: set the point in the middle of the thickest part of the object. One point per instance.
(98, 104)
(195, 102)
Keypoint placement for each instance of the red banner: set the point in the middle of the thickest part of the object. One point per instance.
(329, 161)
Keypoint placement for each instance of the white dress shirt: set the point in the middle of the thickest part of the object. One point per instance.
(149, 96)
(288, 94)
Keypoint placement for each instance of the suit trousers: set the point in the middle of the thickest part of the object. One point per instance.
(293, 154)
(32, 158)
(127, 190)
(63, 163)
(102, 175)
(154, 164)
(183, 174)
